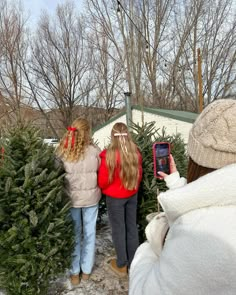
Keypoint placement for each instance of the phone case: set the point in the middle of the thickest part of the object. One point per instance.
(161, 162)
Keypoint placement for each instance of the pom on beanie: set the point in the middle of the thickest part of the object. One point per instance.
(212, 138)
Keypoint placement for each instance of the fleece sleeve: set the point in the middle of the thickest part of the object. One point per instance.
(103, 174)
(144, 272)
(174, 180)
(156, 232)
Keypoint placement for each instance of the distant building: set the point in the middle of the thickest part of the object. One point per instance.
(174, 122)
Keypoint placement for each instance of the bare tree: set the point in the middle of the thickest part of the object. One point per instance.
(206, 25)
(60, 63)
(219, 50)
(86, 61)
(107, 73)
(156, 19)
(166, 74)
(125, 46)
(14, 47)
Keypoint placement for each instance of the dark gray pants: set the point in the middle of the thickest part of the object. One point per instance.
(122, 216)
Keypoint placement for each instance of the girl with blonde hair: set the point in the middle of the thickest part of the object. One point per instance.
(119, 177)
(81, 161)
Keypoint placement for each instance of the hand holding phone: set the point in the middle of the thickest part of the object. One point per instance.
(161, 159)
(172, 168)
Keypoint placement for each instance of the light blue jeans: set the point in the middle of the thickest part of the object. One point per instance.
(85, 226)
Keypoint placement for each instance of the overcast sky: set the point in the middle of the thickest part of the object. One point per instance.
(34, 7)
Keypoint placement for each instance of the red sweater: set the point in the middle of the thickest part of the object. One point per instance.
(115, 189)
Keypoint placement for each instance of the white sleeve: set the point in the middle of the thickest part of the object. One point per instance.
(174, 180)
(156, 232)
(143, 275)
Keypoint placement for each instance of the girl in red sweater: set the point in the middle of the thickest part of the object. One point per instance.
(119, 177)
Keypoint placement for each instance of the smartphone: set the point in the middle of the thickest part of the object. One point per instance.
(161, 158)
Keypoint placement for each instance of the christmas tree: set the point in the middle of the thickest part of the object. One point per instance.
(36, 232)
(145, 136)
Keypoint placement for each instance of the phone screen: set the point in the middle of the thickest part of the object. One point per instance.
(162, 157)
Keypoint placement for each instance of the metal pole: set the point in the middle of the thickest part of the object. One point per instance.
(128, 109)
(142, 111)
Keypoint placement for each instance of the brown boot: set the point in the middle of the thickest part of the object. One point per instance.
(120, 271)
(85, 276)
(74, 279)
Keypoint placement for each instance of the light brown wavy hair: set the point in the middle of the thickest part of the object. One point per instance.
(82, 138)
(123, 146)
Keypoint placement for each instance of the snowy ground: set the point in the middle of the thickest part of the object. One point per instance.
(102, 280)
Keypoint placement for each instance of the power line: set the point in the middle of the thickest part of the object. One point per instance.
(120, 6)
(140, 32)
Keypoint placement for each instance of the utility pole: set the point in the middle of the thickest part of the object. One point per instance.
(199, 57)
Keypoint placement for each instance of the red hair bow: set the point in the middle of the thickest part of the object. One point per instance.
(70, 129)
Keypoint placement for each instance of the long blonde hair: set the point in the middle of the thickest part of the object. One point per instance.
(74, 142)
(122, 146)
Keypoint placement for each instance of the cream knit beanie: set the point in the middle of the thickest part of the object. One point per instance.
(212, 139)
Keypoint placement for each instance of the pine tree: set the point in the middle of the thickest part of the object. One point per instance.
(145, 136)
(36, 232)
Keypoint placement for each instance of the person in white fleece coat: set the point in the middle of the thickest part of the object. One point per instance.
(191, 246)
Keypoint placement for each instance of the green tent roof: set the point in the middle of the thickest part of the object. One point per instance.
(176, 115)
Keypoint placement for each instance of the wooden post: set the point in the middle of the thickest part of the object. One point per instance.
(200, 80)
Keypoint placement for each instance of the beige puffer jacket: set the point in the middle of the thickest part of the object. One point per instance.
(81, 179)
